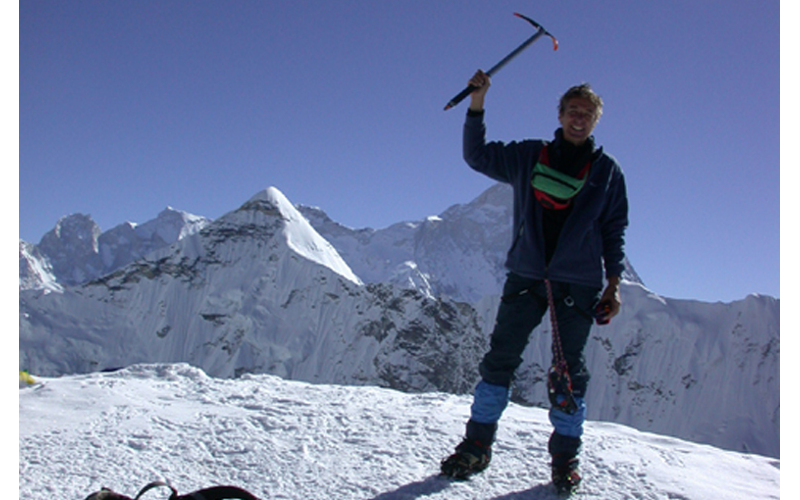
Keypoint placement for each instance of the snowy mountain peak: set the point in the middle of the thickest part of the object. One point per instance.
(76, 228)
(171, 225)
(300, 236)
(77, 251)
(73, 240)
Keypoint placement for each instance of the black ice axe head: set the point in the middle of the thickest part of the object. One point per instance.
(540, 31)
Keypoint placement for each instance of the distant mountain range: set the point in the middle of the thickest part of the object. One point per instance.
(274, 288)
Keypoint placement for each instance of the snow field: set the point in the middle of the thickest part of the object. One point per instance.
(293, 440)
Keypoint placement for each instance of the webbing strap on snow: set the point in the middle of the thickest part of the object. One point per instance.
(156, 484)
(212, 493)
(219, 493)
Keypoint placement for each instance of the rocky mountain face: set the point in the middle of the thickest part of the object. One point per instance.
(270, 288)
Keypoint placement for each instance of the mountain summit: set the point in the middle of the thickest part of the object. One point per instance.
(299, 235)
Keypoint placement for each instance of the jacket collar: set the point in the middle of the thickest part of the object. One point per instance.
(571, 159)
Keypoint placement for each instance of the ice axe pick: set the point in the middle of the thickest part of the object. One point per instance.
(540, 31)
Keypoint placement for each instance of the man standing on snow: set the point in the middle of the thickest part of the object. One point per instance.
(570, 216)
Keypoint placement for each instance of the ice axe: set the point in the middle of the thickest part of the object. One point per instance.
(539, 32)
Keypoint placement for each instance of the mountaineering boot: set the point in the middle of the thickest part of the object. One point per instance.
(565, 476)
(470, 458)
(564, 452)
(473, 454)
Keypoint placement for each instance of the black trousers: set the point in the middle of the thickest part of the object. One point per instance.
(522, 308)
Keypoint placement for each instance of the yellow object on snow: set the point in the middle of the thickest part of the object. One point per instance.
(25, 379)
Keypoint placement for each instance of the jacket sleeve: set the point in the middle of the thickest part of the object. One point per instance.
(490, 158)
(614, 222)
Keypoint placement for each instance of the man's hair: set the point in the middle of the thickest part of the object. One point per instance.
(584, 91)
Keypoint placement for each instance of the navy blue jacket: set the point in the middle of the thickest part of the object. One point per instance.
(593, 236)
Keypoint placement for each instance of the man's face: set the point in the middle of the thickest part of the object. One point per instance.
(578, 120)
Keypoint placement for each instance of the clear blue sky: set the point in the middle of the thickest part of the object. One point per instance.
(127, 107)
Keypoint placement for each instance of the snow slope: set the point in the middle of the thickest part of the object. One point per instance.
(35, 272)
(292, 440)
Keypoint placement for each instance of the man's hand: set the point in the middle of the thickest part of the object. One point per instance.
(610, 299)
(482, 82)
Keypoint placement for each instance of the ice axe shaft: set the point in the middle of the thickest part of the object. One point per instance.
(540, 31)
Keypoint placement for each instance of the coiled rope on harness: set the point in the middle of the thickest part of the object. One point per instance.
(559, 383)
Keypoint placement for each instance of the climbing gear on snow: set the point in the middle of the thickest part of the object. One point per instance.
(212, 493)
(539, 32)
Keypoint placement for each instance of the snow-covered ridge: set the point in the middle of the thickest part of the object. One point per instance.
(76, 251)
(296, 441)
